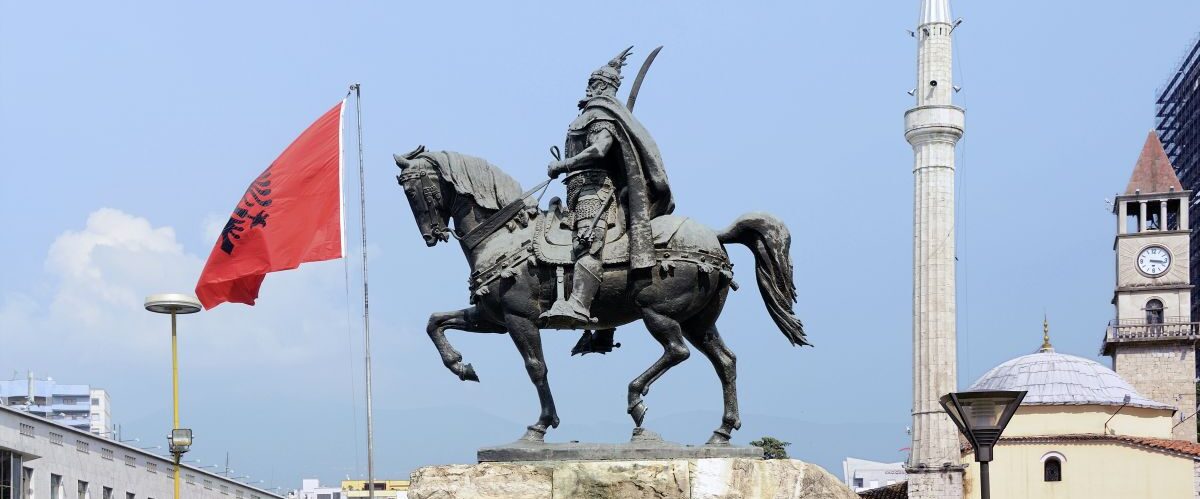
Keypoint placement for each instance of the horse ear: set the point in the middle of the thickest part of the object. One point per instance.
(401, 161)
(405, 161)
(415, 152)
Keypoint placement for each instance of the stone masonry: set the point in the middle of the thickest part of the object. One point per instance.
(936, 485)
(1163, 372)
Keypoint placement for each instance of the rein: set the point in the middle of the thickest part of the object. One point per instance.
(493, 223)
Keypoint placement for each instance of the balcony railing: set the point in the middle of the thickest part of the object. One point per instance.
(1170, 328)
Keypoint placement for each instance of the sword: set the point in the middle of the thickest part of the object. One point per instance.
(637, 83)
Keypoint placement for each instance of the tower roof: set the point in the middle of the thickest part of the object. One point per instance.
(935, 11)
(1153, 172)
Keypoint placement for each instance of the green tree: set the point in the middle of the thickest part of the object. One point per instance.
(772, 447)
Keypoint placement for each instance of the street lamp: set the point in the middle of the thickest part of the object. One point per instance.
(981, 417)
(175, 304)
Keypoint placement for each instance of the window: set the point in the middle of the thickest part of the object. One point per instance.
(83, 490)
(82, 446)
(208, 484)
(56, 438)
(129, 495)
(107, 493)
(106, 454)
(130, 461)
(9, 480)
(27, 430)
(1052, 470)
(151, 467)
(27, 480)
(1154, 311)
(190, 479)
(56, 487)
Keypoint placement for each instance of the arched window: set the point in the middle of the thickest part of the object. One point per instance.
(1052, 470)
(1154, 311)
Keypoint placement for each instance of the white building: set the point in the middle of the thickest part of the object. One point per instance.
(861, 474)
(78, 406)
(310, 488)
(44, 459)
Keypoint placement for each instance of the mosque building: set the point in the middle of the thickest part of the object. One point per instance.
(1083, 432)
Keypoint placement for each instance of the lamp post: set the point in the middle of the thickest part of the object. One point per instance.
(180, 439)
(981, 417)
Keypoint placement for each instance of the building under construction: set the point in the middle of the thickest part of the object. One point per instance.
(1179, 129)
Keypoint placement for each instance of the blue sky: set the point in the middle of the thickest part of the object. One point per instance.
(128, 132)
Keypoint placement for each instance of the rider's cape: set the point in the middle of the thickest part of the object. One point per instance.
(649, 194)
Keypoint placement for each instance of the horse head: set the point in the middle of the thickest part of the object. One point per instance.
(423, 185)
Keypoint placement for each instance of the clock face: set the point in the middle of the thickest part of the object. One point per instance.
(1154, 260)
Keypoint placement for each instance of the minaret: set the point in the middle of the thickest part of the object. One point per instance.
(933, 128)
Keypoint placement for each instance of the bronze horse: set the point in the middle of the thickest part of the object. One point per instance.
(678, 299)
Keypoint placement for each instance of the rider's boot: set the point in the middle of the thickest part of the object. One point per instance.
(585, 283)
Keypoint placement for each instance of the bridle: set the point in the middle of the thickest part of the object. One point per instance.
(430, 190)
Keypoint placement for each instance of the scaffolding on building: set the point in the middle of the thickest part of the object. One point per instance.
(1178, 128)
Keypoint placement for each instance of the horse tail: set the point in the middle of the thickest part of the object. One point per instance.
(768, 238)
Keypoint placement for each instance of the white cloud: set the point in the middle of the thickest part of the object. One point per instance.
(98, 277)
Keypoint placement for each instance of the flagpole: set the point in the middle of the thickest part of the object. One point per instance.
(362, 212)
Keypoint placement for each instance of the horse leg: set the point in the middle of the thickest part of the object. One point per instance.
(466, 319)
(667, 331)
(527, 337)
(709, 342)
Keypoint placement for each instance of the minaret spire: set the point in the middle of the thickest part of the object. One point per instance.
(933, 127)
(935, 11)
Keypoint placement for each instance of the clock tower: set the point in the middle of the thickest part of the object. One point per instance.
(1152, 341)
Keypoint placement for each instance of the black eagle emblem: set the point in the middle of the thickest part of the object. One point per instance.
(257, 196)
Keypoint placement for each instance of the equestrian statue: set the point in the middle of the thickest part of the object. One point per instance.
(615, 253)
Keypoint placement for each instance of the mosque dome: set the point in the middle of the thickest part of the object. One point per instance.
(1052, 378)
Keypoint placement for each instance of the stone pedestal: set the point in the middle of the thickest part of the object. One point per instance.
(717, 478)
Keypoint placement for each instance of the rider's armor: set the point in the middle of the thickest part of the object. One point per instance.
(590, 189)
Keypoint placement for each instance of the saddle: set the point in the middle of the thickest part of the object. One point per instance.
(551, 242)
(554, 238)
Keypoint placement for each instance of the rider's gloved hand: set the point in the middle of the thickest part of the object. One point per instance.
(555, 168)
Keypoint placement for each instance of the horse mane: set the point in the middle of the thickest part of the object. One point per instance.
(484, 182)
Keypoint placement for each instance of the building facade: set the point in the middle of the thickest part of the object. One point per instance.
(384, 489)
(1152, 341)
(78, 406)
(1179, 130)
(861, 474)
(933, 127)
(42, 459)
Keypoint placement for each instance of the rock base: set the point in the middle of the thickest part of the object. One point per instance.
(645, 445)
(721, 478)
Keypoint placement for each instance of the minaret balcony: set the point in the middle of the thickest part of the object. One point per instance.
(1169, 329)
(933, 120)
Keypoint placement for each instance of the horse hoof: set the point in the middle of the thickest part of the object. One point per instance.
(638, 412)
(534, 434)
(465, 372)
(718, 437)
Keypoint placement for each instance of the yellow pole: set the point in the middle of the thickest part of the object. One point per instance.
(175, 393)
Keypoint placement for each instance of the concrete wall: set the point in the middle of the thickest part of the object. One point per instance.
(49, 449)
(1090, 470)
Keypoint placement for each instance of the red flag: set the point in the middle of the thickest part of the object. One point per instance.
(290, 214)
